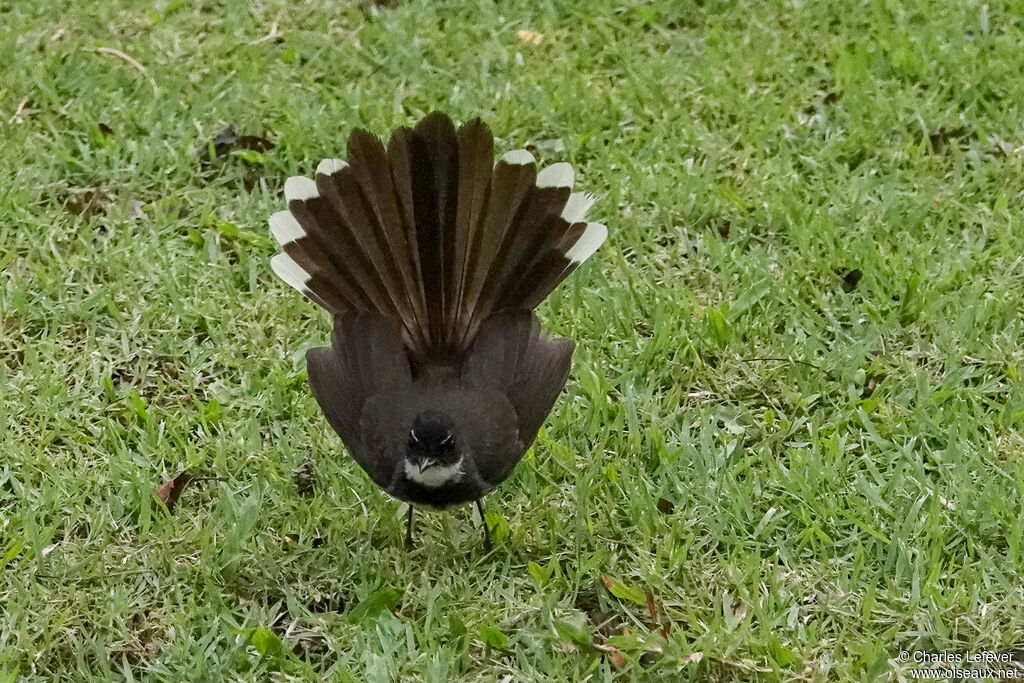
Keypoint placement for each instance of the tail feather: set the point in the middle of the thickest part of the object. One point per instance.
(577, 206)
(537, 227)
(556, 264)
(303, 261)
(341, 204)
(430, 232)
(514, 178)
(372, 172)
(434, 167)
(330, 243)
(476, 161)
(401, 178)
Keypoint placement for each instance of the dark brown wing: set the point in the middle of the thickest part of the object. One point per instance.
(514, 356)
(366, 359)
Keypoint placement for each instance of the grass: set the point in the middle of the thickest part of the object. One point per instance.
(834, 184)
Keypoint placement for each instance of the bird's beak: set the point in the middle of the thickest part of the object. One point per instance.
(425, 465)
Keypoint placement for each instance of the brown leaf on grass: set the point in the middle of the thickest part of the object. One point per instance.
(169, 493)
(225, 140)
(105, 129)
(657, 614)
(739, 609)
(229, 139)
(851, 277)
(304, 477)
(87, 204)
(618, 661)
(870, 384)
(665, 506)
(652, 606)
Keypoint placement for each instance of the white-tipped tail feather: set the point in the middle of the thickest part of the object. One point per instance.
(371, 244)
(290, 271)
(300, 188)
(285, 228)
(330, 166)
(588, 243)
(576, 208)
(518, 157)
(556, 175)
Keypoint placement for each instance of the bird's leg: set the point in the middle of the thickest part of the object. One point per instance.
(483, 520)
(408, 530)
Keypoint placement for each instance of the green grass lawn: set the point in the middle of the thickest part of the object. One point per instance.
(791, 445)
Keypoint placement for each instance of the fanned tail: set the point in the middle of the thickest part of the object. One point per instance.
(430, 232)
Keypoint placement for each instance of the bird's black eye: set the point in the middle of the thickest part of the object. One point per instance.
(447, 442)
(413, 441)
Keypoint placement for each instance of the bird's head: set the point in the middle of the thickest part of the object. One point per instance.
(433, 456)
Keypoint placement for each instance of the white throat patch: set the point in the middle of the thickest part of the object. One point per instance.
(435, 476)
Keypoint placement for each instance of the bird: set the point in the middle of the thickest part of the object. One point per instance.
(431, 257)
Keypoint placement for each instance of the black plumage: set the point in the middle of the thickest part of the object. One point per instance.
(431, 258)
